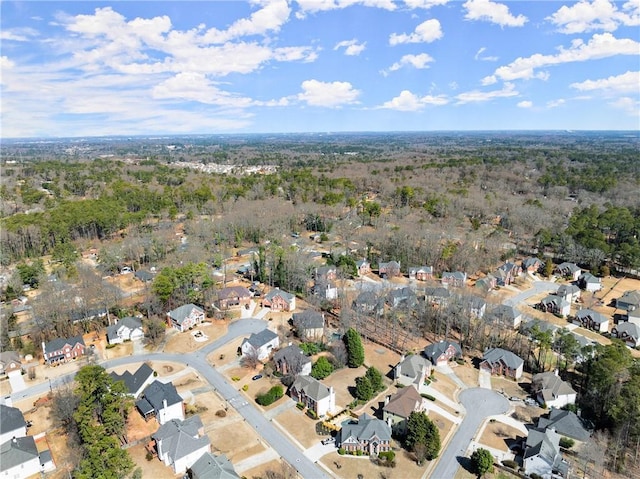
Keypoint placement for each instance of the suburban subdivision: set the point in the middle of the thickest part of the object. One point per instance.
(183, 323)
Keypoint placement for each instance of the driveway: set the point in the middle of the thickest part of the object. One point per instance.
(537, 287)
(480, 404)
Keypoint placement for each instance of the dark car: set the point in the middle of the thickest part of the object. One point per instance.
(256, 377)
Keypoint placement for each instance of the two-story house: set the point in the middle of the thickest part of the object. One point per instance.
(291, 360)
(162, 401)
(399, 406)
(389, 269)
(260, 344)
(369, 435)
(180, 443)
(498, 361)
(442, 352)
(125, 329)
(421, 273)
(279, 300)
(233, 296)
(185, 317)
(456, 279)
(61, 350)
(589, 319)
(314, 395)
(309, 325)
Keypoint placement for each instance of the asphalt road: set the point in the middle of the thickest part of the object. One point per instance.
(197, 360)
(537, 287)
(480, 403)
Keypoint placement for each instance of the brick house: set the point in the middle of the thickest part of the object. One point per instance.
(62, 350)
(279, 300)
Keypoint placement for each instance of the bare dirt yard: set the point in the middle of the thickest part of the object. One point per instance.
(500, 436)
(186, 342)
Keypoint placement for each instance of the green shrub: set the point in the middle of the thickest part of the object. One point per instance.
(235, 378)
(312, 414)
(387, 455)
(533, 475)
(566, 442)
(300, 406)
(428, 396)
(275, 393)
(245, 387)
(510, 464)
(399, 385)
(341, 451)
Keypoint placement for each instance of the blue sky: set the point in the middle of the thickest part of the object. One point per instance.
(167, 67)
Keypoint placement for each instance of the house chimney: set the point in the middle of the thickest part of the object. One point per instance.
(386, 400)
(43, 351)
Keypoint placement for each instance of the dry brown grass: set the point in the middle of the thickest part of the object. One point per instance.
(350, 467)
(444, 385)
(299, 425)
(467, 374)
(510, 387)
(236, 439)
(260, 471)
(184, 342)
(153, 469)
(496, 435)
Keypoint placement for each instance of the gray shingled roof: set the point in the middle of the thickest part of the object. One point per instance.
(234, 291)
(412, 365)
(11, 418)
(213, 467)
(133, 381)
(311, 387)
(503, 313)
(59, 343)
(180, 438)
(288, 297)
(495, 355)
(435, 350)
(596, 317)
(551, 385)
(17, 451)
(366, 428)
(129, 322)
(545, 444)
(566, 423)
(260, 339)
(156, 392)
(181, 313)
(308, 319)
(291, 353)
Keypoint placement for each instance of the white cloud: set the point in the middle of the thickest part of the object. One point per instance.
(524, 104)
(426, 32)
(331, 95)
(408, 101)
(556, 103)
(424, 3)
(351, 47)
(627, 82)
(631, 106)
(313, 6)
(479, 56)
(18, 34)
(599, 46)
(5, 62)
(196, 87)
(420, 62)
(493, 12)
(507, 90)
(585, 16)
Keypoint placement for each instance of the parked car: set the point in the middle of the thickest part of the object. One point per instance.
(256, 377)
(328, 440)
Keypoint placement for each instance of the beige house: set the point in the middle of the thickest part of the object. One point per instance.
(398, 408)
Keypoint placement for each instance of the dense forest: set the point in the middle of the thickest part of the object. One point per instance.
(456, 201)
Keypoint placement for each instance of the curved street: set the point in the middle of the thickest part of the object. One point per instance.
(480, 403)
(198, 361)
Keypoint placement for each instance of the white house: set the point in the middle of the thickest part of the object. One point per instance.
(136, 382)
(180, 444)
(12, 423)
(19, 458)
(162, 401)
(125, 329)
(589, 282)
(260, 344)
(314, 395)
(553, 391)
(412, 369)
(542, 455)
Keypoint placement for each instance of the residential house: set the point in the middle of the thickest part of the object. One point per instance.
(531, 264)
(62, 350)
(12, 423)
(260, 344)
(279, 300)
(233, 296)
(456, 279)
(421, 273)
(505, 316)
(180, 443)
(292, 360)
(438, 296)
(162, 401)
(629, 301)
(80, 315)
(326, 273)
(442, 352)
(474, 306)
(125, 329)
(634, 316)
(507, 273)
(589, 282)
(565, 423)
(412, 369)
(309, 325)
(569, 270)
(569, 292)
(325, 290)
(499, 361)
(540, 325)
(135, 383)
(389, 270)
(9, 362)
(555, 304)
(628, 332)
(369, 435)
(210, 466)
(19, 458)
(552, 391)
(542, 455)
(364, 267)
(368, 302)
(314, 395)
(486, 283)
(399, 406)
(589, 319)
(185, 317)
(402, 297)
